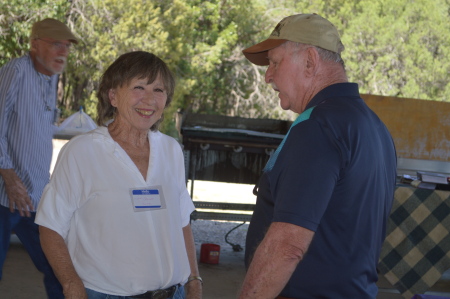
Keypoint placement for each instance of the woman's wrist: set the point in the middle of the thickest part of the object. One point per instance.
(192, 278)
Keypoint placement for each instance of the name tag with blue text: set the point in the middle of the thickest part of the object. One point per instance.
(147, 199)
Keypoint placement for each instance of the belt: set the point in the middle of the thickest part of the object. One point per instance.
(158, 294)
(280, 297)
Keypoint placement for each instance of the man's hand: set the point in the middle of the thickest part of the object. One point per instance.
(17, 193)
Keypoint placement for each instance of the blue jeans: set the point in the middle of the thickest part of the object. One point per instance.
(28, 233)
(179, 294)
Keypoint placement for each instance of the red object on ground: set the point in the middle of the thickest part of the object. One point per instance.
(209, 253)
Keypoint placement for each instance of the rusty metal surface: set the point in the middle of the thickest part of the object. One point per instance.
(420, 128)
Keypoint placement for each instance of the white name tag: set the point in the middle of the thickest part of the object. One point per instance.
(147, 199)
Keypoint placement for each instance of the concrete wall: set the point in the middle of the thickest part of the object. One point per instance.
(420, 128)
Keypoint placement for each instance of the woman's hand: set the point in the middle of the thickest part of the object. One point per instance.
(74, 290)
(58, 256)
(193, 289)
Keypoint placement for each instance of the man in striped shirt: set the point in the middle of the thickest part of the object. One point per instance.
(28, 112)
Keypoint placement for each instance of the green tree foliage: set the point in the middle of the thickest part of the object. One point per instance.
(400, 48)
(393, 47)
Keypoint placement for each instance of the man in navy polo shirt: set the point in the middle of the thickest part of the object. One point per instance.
(326, 193)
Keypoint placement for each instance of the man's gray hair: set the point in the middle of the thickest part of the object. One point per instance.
(325, 55)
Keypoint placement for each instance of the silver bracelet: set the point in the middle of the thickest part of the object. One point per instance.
(191, 278)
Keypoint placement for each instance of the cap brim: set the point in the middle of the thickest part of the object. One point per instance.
(63, 36)
(70, 39)
(257, 54)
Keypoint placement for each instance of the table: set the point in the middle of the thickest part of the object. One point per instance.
(416, 251)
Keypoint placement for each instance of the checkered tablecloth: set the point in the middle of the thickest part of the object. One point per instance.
(417, 247)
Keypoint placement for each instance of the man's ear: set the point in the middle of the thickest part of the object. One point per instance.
(33, 45)
(312, 61)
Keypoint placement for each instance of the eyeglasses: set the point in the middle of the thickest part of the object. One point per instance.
(58, 45)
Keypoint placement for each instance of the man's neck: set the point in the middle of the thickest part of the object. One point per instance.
(332, 73)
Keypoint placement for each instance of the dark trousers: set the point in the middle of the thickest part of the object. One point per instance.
(28, 233)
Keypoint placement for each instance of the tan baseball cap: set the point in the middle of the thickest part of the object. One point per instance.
(310, 29)
(52, 28)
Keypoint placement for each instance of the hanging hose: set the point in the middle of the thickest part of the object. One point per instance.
(236, 247)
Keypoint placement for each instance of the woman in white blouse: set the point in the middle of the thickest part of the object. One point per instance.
(114, 219)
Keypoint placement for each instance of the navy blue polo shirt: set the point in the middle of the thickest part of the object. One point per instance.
(335, 175)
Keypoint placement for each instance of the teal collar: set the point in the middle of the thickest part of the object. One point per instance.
(273, 158)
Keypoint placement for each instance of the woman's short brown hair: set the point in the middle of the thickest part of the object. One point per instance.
(138, 64)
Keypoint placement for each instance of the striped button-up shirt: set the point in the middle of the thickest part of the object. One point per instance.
(27, 115)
